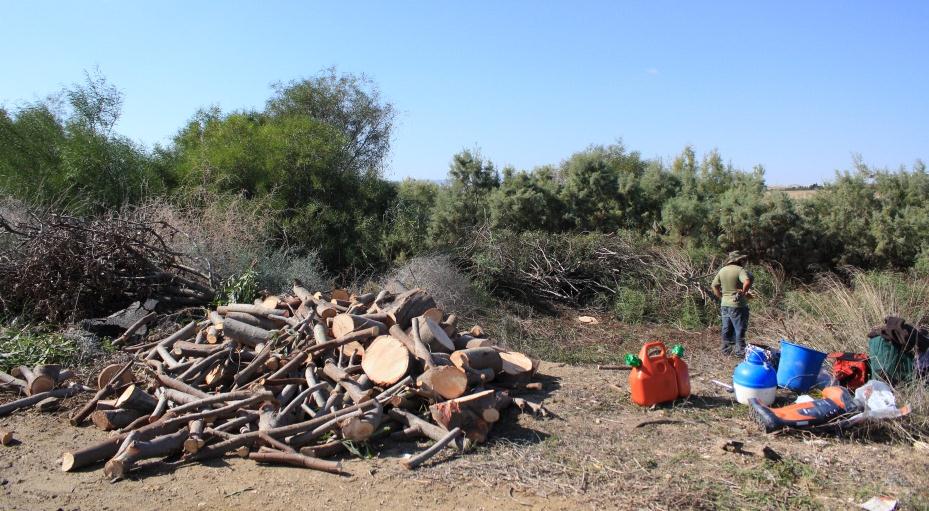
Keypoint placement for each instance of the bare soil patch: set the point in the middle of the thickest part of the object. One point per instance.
(600, 452)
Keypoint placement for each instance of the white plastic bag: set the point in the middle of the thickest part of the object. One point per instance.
(878, 400)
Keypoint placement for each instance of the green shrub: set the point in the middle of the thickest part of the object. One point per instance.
(631, 305)
(31, 345)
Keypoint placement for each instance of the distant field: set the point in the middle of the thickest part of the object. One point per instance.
(796, 193)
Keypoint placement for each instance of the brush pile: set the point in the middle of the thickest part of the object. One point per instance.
(59, 267)
(300, 378)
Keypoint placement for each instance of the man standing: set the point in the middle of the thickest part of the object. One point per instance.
(731, 286)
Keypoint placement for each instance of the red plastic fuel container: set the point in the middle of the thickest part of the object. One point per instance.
(654, 380)
(680, 368)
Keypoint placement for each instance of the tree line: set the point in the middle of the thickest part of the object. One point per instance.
(313, 159)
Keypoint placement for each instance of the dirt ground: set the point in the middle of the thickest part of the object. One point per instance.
(600, 452)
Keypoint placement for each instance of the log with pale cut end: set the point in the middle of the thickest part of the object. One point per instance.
(479, 343)
(478, 358)
(36, 383)
(353, 349)
(448, 382)
(297, 460)
(326, 310)
(108, 420)
(6, 437)
(409, 305)
(360, 428)
(107, 373)
(136, 450)
(386, 360)
(340, 294)
(434, 336)
(435, 314)
(136, 398)
(474, 413)
(343, 324)
(517, 368)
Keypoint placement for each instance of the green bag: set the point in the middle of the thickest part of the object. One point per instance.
(888, 362)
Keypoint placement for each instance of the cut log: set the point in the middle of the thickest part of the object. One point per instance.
(330, 448)
(171, 383)
(361, 427)
(345, 323)
(479, 343)
(108, 372)
(409, 305)
(415, 461)
(245, 334)
(434, 336)
(10, 381)
(354, 391)
(255, 310)
(297, 460)
(136, 450)
(517, 369)
(475, 414)
(422, 427)
(194, 440)
(386, 361)
(36, 383)
(6, 437)
(108, 420)
(78, 417)
(250, 319)
(25, 402)
(448, 382)
(340, 294)
(48, 404)
(478, 358)
(137, 399)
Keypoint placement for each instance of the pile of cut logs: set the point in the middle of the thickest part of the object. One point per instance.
(296, 379)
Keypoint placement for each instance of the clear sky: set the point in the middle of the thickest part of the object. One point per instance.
(795, 86)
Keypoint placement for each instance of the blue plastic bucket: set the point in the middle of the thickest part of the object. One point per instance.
(799, 366)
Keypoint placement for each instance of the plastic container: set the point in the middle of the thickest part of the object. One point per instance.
(681, 370)
(654, 379)
(799, 366)
(755, 377)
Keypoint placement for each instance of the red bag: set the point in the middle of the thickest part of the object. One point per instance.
(851, 370)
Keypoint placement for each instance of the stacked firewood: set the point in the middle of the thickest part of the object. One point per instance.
(43, 385)
(297, 379)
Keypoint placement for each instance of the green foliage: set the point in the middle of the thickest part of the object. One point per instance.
(241, 288)
(463, 204)
(34, 345)
(631, 305)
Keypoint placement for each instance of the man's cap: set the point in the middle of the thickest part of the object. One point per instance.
(735, 256)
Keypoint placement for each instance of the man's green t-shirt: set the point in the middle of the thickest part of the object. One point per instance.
(730, 278)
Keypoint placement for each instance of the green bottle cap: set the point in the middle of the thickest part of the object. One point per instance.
(632, 360)
(677, 350)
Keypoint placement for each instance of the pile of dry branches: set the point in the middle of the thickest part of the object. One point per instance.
(574, 269)
(60, 268)
(299, 378)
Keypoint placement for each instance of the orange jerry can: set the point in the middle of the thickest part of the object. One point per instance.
(680, 368)
(653, 379)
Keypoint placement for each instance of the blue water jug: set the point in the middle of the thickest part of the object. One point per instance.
(755, 377)
(799, 366)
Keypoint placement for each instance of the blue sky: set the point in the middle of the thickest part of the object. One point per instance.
(796, 86)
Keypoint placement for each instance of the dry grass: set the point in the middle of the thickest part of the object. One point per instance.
(832, 315)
